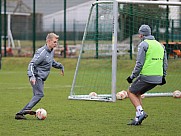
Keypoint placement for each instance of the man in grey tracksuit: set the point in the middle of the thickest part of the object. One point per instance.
(149, 71)
(38, 71)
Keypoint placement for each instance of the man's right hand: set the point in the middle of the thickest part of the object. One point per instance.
(33, 80)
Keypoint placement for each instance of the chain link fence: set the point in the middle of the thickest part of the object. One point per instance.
(19, 19)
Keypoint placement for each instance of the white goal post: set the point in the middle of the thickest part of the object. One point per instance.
(74, 94)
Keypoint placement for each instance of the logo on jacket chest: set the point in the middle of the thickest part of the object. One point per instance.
(48, 59)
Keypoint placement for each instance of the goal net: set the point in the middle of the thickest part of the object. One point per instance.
(110, 43)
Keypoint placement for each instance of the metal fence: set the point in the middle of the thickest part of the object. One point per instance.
(24, 25)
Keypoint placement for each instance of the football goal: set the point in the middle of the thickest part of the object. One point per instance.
(110, 37)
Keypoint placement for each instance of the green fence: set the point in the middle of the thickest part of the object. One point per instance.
(25, 23)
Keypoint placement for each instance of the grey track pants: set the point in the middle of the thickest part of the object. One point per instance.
(38, 93)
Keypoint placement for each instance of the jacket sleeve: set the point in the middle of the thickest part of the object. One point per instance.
(142, 48)
(57, 65)
(37, 59)
(165, 63)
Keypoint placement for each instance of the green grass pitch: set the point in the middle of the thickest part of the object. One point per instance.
(83, 118)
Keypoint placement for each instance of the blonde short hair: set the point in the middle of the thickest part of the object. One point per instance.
(51, 36)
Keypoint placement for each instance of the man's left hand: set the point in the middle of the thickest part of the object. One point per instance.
(163, 81)
(129, 79)
(62, 72)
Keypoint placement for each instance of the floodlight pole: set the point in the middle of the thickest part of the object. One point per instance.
(65, 29)
(167, 31)
(97, 32)
(5, 28)
(34, 26)
(114, 48)
(0, 35)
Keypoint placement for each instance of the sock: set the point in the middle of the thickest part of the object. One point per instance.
(137, 115)
(139, 109)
